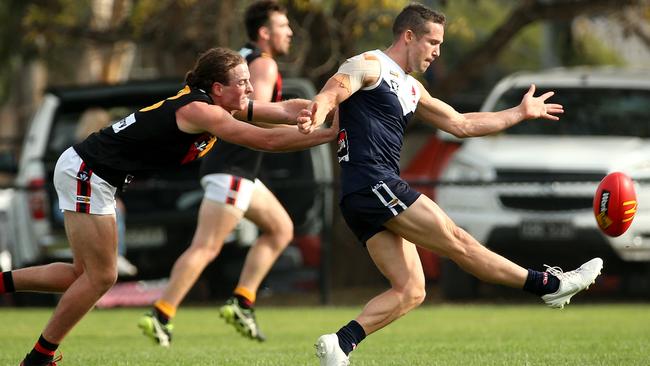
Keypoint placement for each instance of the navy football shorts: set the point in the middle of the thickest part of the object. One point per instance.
(366, 210)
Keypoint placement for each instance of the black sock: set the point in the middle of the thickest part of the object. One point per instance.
(243, 302)
(541, 283)
(350, 336)
(7, 283)
(42, 352)
(162, 318)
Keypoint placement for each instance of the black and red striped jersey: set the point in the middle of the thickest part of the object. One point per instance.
(145, 141)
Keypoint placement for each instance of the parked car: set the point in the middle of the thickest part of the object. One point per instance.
(527, 192)
(7, 171)
(161, 211)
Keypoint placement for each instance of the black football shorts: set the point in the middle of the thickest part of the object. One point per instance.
(366, 210)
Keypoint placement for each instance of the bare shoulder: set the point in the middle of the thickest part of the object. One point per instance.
(263, 64)
(195, 108)
(195, 117)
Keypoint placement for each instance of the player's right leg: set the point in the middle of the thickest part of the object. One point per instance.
(217, 218)
(425, 224)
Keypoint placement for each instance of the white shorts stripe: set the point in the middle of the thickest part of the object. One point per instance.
(394, 201)
(67, 177)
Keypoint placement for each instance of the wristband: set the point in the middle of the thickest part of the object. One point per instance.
(249, 115)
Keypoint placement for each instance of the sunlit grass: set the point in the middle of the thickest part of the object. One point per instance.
(432, 335)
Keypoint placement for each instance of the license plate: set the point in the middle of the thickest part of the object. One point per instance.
(546, 230)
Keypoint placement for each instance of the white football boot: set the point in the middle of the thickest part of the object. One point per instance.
(329, 352)
(572, 282)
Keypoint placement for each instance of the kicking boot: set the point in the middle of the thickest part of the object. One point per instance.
(572, 282)
(152, 328)
(329, 352)
(242, 319)
(51, 362)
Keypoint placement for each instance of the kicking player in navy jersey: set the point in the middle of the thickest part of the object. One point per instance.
(232, 191)
(163, 136)
(376, 98)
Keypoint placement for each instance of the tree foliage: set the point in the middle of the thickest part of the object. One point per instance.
(484, 38)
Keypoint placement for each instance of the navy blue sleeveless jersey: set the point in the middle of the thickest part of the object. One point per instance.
(235, 159)
(372, 125)
(145, 141)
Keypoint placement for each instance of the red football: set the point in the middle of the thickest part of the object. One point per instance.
(615, 204)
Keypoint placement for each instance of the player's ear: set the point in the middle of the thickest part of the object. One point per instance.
(264, 33)
(408, 36)
(217, 88)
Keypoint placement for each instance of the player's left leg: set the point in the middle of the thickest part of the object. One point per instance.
(215, 222)
(276, 226)
(399, 262)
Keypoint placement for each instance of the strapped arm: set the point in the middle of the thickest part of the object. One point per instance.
(359, 72)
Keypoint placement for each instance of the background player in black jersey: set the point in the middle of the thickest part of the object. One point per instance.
(376, 97)
(165, 135)
(232, 190)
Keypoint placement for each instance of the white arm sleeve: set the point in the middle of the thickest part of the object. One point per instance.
(358, 69)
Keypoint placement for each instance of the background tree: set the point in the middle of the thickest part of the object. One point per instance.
(63, 42)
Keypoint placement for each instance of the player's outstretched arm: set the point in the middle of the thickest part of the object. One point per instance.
(443, 116)
(200, 117)
(285, 112)
(289, 138)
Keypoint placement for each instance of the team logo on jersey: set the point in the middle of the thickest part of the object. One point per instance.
(199, 148)
(83, 176)
(343, 151)
(394, 86)
(124, 123)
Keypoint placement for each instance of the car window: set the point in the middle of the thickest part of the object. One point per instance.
(588, 112)
(66, 127)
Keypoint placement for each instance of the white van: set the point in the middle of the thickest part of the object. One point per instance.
(527, 192)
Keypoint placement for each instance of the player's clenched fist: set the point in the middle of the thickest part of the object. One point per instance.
(305, 120)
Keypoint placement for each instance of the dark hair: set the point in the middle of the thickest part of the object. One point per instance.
(258, 14)
(213, 66)
(415, 17)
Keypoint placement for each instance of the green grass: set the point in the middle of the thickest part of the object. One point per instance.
(431, 335)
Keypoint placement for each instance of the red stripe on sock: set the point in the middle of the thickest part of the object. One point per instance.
(2, 283)
(43, 350)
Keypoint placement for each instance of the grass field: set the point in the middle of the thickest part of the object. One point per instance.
(432, 335)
